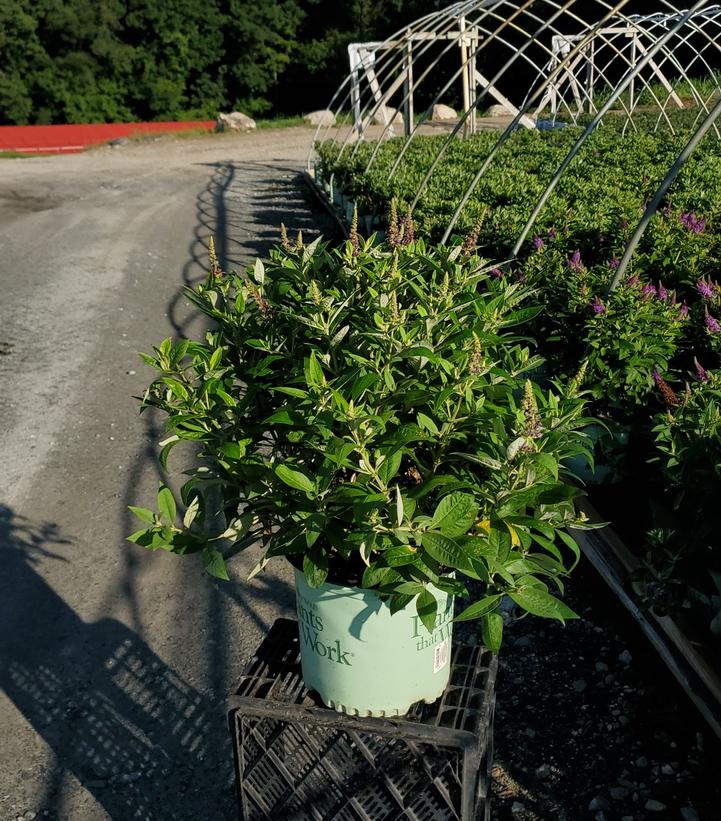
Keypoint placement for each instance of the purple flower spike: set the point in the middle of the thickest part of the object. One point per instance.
(683, 311)
(712, 324)
(648, 291)
(656, 374)
(692, 223)
(662, 292)
(705, 288)
(598, 306)
(496, 273)
(552, 233)
(631, 281)
(701, 372)
(613, 263)
(537, 243)
(575, 263)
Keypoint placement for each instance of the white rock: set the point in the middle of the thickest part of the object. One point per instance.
(497, 110)
(323, 117)
(384, 114)
(235, 121)
(442, 112)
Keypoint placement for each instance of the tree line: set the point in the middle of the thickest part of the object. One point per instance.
(81, 61)
(84, 61)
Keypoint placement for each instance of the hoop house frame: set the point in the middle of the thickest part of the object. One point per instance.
(584, 68)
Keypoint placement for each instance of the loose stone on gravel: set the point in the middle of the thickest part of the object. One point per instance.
(543, 772)
(625, 657)
(654, 806)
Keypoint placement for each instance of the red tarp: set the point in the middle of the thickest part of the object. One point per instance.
(69, 138)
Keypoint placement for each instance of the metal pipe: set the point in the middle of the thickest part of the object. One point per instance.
(652, 207)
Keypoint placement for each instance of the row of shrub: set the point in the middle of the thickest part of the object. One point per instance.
(650, 348)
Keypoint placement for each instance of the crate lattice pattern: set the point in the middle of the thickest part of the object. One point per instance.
(297, 760)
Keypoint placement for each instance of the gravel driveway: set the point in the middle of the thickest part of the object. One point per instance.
(115, 664)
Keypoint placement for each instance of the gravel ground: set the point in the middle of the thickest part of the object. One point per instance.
(115, 664)
(590, 723)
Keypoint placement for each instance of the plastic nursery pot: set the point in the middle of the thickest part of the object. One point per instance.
(362, 660)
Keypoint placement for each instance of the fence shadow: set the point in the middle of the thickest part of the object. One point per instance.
(242, 207)
(139, 738)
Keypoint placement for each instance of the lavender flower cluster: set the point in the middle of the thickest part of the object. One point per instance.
(694, 224)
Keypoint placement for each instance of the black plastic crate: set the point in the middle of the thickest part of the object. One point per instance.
(296, 759)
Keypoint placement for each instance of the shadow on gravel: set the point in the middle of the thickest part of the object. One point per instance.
(138, 737)
(242, 207)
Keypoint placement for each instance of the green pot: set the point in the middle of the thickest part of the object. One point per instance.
(362, 660)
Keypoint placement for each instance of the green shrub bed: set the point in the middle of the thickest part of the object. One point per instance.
(649, 351)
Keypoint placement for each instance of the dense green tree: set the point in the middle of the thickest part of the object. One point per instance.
(22, 57)
(261, 41)
(104, 60)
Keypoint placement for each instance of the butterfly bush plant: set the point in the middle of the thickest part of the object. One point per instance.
(364, 413)
(685, 555)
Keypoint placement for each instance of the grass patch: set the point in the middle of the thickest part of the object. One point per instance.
(282, 122)
(21, 155)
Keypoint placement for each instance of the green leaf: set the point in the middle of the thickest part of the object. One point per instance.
(375, 575)
(296, 392)
(214, 563)
(444, 550)
(166, 504)
(427, 423)
(492, 631)
(141, 537)
(313, 372)
(427, 609)
(560, 493)
(399, 556)
(389, 467)
(215, 359)
(540, 603)
(399, 601)
(455, 514)
(479, 608)
(143, 514)
(294, 477)
(315, 568)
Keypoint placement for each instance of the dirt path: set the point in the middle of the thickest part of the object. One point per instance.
(114, 664)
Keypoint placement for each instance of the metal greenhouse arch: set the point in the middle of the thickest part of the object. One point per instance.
(578, 70)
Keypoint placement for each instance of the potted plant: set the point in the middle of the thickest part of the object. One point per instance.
(362, 412)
